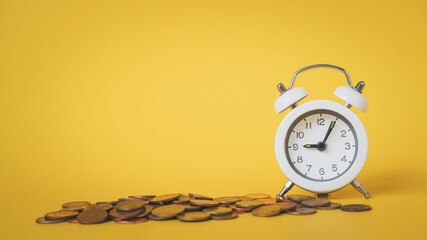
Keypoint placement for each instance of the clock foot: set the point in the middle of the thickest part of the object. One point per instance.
(359, 188)
(285, 189)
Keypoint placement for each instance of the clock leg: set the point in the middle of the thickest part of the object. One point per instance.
(359, 188)
(285, 189)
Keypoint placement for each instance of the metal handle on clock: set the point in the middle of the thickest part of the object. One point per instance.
(321, 66)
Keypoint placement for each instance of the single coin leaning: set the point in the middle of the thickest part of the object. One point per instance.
(43, 220)
(130, 205)
(164, 198)
(61, 214)
(76, 204)
(194, 216)
(92, 216)
(267, 211)
(331, 206)
(168, 211)
(249, 204)
(302, 211)
(257, 195)
(286, 206)
(218, 211)
(355, 208)
(224, 217)
(299, 198)
(125, 215)
(204, 203)
(316, 203)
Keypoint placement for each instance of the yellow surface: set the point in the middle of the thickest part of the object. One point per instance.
(105, 99)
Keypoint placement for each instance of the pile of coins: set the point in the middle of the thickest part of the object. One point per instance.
(190, 208)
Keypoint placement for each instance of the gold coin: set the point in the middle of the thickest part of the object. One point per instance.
(227, 200)
(243, 198)
(190, 208)
(217, 211)
(147, 210)
(331, 206)
(204, 203)
(125, 215)
(76, 204)
(182, 199)
(130, 205)
(316, 203)
(224, 217)
(257, 195)
(165, 198)
(103, 206)
(356, 208)
(61, 214)
(194, 216)
(168, 211)
(155, 218)
(302, 211)
(199, 196)
(267, 211)
(92, 216)
(131, 221)
(249, 204)
(299, 197)
(287, 206)
(267, 201)
(43, 220)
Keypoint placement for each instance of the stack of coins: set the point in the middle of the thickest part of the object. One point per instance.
(190, 208)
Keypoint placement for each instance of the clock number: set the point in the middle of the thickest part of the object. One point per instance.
(343, 133)
(300, 134)
(344, 159)
(347, 146)
(320, 121)
(309, 167)
(299, 159)
(308, 125)
(322, 171)
(334, 168)
(295, 146)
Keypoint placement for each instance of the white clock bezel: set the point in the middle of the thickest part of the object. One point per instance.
(325, 186)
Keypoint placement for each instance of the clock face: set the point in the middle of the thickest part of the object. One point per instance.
(321, 145)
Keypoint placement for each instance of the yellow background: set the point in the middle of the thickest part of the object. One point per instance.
(105, 99)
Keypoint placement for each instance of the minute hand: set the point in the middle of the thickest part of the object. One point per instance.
(331, 126)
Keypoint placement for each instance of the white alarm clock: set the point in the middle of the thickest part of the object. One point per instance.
(321, 145)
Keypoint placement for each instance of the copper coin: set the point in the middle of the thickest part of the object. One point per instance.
(108, 202)
(316, 203)
(204, 203)
(224, 217)
(92, 216)
(194, 216)
(257, 195)
(43, 220)
(333, 205)
(182, 199)
(125, 215)
(76, 204)
(72, 220)
(227, 200)
(61, 214)
(199, 196)
(102, 206)
(142, 197)
(267, 201)
(131, 221)
(287, 206)
(267, 211)
(168, 211)
(147, 210)
(299, 197)
(155, 218)
(302, 211)
(240, 210)
(356, 208)
(164, 198)
(130, 205)
(217, 211)
(249, 204)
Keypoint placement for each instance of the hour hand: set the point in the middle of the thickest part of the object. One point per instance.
(310, 145)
